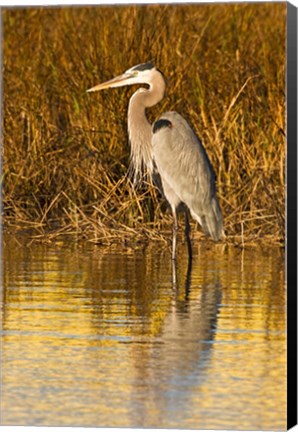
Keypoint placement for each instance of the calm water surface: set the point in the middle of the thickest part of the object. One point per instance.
(113, 337)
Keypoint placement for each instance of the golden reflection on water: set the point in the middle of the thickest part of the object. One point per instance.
(101, 337)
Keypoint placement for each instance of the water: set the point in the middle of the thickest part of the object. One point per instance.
(103, 337)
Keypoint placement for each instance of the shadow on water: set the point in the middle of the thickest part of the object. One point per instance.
(176, 364)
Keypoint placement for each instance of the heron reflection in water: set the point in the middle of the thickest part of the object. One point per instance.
(171, 150)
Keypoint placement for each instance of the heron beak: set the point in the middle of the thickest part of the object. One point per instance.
(118, 81)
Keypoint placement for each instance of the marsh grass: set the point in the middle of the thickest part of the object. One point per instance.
(65, 152)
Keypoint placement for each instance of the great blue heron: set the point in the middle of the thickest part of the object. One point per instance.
(171, 148)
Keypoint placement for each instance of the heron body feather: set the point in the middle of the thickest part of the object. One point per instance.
(184, 166)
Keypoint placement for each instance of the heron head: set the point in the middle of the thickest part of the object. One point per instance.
(139, 74)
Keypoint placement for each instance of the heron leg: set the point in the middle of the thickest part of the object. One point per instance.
(174, 274)
(175, 229)
(187, 235)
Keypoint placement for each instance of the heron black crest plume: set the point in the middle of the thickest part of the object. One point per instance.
(143, 66)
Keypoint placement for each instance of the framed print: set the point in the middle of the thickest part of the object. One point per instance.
(149, 207)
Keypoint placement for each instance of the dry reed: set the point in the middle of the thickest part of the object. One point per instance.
(65, 152)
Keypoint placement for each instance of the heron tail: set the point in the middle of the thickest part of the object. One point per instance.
(211, 220)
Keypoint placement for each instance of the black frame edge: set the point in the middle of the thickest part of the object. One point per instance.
(291, 215)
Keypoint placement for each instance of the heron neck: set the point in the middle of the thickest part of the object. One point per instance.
(139, 128)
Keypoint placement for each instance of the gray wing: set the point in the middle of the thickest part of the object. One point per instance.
(185, 169)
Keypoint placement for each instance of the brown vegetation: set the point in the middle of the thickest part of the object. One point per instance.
(65, 152)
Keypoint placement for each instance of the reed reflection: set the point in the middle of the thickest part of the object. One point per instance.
(118, 337)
